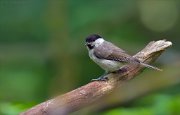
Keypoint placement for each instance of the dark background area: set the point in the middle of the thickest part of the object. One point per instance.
(42, 52)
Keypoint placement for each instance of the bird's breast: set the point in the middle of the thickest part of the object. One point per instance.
(107, 65)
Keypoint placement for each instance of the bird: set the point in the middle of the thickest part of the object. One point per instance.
(109, 56)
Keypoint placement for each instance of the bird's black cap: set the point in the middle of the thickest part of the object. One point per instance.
(92, 38)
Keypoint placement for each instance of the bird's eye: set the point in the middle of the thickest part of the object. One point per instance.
(90, 46)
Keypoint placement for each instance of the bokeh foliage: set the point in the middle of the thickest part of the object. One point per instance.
(42, 50)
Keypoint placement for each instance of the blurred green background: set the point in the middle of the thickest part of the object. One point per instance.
(42, 52)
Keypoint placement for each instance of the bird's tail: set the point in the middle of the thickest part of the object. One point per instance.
(149, 66)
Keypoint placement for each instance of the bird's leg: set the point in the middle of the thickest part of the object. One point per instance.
(102, 77)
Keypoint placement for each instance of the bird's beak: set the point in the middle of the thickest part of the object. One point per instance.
(86, 44)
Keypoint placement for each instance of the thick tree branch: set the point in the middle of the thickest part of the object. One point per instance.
(153, 82)
(91, 92)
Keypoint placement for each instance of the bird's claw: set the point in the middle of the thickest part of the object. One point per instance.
(102, 78)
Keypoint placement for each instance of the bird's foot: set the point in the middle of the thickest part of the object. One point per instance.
(121, 70)
(101, 78)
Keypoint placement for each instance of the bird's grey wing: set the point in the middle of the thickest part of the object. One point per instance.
(111, 52)
(112, 46)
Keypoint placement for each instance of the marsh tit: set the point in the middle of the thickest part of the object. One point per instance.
(108, 56)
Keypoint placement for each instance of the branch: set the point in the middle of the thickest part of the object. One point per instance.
(142, 87)
(91, 92)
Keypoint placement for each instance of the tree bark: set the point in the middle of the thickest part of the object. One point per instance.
(93, 91)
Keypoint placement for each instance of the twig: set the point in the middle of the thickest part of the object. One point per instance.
(91, 92)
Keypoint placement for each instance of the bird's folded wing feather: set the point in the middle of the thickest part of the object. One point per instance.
(111, 52)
